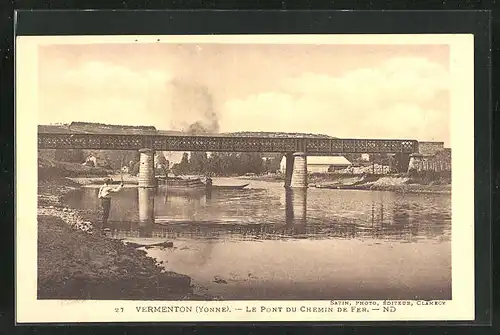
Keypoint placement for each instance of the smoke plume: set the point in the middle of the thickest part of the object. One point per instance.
(192, 107)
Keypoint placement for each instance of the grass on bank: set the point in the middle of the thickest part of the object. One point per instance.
(75, 265)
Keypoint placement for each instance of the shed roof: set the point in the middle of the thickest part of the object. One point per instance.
(324, 160)
(328, 160)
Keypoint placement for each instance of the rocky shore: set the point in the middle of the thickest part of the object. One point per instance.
(394, 183)
(74, 262)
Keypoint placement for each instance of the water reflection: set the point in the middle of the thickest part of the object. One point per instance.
(146, 199)
(271, 243)
(146, 205)
(275, 213)
(296, 207)
(183, 215)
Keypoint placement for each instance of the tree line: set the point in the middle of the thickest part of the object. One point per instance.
(215, 164)
(192, 163)
(220, 164)
(108, 159)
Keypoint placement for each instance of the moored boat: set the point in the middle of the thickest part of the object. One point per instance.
(189, 184)
(181, 183)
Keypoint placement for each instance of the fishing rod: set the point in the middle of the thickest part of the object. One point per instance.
(121, 168)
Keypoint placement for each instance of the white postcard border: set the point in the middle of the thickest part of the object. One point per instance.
(29, 309)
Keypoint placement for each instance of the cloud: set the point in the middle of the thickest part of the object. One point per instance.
(266, 110)
(96, 75)
(400, 97)
(410, 79)
(408, 121)
(395, 99)
(95, 90)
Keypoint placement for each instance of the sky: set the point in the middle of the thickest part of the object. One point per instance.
(348, 91)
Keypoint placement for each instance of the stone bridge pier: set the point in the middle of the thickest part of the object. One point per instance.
(296, 170)
(402, 162)
(296, 167)
(147, 168)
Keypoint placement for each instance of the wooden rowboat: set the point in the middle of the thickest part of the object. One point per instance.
(181, 183)
(194, 184)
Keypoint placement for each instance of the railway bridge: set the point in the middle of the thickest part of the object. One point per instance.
(296, 149)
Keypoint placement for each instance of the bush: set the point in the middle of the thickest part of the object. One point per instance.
(48, 169)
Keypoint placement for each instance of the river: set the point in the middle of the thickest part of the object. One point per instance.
(267, 243)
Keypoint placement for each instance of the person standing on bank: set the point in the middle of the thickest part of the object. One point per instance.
(105, 197)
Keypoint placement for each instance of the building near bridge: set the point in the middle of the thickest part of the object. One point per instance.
(95, 160)
(431, 156)
(429, 149)
(321, 164)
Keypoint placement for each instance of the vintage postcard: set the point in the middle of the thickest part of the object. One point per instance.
(245, 178)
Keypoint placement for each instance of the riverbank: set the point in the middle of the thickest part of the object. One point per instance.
(394, 183)
(74, 262)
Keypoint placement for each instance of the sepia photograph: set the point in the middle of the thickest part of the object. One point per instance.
(246, 169)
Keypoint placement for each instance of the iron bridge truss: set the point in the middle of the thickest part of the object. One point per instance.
(311, 146)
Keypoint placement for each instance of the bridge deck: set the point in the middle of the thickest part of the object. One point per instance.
(214, 143)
